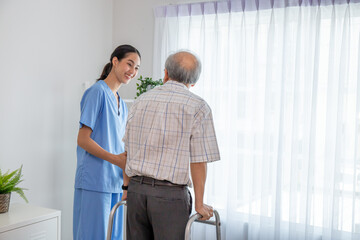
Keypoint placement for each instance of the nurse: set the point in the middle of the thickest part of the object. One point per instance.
(100, 150)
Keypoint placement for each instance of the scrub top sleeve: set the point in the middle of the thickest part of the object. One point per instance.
(91, 105)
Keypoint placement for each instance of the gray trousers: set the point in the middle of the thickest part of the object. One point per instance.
(157, 211)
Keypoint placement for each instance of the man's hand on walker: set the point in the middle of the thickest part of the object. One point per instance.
(124, 195)
(205, 211)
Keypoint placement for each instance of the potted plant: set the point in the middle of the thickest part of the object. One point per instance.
(9, 183)
(146, 84)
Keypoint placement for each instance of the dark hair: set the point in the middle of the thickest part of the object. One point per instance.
(120, 52)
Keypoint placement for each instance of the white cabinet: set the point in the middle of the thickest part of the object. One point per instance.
(28, 222)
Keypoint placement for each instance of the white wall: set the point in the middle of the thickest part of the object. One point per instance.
(47, 50)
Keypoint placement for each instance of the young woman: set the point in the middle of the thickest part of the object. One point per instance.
(100, 150)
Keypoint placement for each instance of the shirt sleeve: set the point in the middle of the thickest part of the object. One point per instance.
(203, 142)
(91, 106)
(130, 116)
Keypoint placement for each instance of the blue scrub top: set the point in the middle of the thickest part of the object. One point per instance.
(100, 112)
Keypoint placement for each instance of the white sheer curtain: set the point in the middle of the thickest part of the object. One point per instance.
(283, 81)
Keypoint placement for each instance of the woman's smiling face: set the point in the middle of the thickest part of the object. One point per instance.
(127, 68)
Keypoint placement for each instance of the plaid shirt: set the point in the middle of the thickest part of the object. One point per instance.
(167, 128)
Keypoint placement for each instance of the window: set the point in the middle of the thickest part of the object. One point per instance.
(284, 87)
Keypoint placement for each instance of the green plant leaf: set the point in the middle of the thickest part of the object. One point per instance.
(9, 182)
(21, 193)
(146, 84)
(7, 176)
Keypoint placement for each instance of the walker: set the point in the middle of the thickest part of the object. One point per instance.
(193, 218)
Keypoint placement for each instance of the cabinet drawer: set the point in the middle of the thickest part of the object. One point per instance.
(44, 230)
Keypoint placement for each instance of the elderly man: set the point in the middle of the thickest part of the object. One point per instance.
(169, 134)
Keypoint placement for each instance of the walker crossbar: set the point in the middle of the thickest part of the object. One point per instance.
(195, 218)
(111, 218)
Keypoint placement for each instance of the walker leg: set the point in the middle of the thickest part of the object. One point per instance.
(111, 218)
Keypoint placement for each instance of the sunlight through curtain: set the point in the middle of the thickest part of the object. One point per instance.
(283, 81)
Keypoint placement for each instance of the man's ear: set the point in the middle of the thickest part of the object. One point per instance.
(166, 76)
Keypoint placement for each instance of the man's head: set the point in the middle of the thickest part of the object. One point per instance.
(183, 67)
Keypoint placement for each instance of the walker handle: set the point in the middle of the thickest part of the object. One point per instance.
(196, 217)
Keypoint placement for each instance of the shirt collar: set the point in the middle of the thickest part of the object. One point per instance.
(177, 84)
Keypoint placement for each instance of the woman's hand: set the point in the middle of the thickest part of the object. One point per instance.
(120, 160)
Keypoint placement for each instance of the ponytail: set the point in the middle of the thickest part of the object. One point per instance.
(105, 71)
